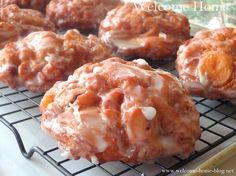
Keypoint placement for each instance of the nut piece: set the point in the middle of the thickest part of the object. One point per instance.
(80, 14)
(42, 58)
(118, 110)
(207, 64)
(144, 31)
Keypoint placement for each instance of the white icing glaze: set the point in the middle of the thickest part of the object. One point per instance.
(60, 21)
(68, 130)
(94, 160)
(53, 125)
(67, 154)
(132, 71)
(76, 112)
(57, 128)
(71, 78)
(158, 82)
(203, 78)
(101, 144)
(35, 81)
(89, 119)
(122, 74)
(51, 58)
(140, 62)
(137, 90)
(97, 69)
(11, 14)
(149, 112)
(162, 35)
(83, 77)
(127, 44)
(5, 67)
(40, 41)
(141, 153)
(107, 35)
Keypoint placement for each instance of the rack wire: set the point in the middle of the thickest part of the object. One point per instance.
(218, 123)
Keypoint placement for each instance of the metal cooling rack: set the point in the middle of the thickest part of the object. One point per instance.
(19, 107)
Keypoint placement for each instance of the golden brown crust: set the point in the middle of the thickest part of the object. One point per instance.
(17, 23)
(119, 110)
(42, 58)
(207, 64)
(31, 4)
(153, 34)
(80, 14)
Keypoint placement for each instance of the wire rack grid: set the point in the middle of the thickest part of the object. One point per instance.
(20, 107)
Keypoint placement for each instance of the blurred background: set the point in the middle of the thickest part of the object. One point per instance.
(206, 13)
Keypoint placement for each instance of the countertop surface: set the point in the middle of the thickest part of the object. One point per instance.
(12, 163)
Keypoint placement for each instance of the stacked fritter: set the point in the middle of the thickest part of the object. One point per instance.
(31, 4)
(42, 58)
(16, 23)
(207, 64)
(80, 14)
(119, 110)
(144, 31)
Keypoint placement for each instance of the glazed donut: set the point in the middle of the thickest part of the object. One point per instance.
(207, 64)
(16, 23)
(119, 110)
(80, 14)
(42, 58)
(144, 31)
